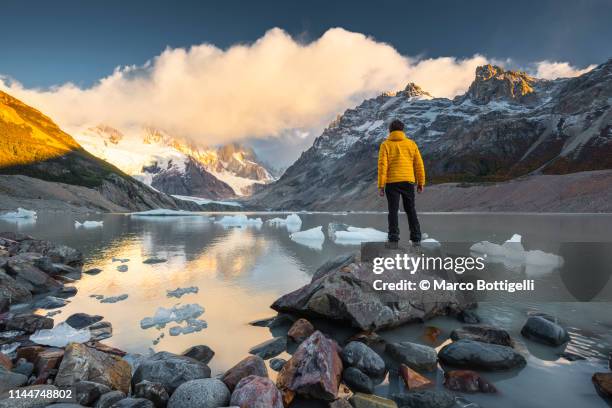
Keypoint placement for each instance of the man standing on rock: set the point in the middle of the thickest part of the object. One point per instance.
(400, 167)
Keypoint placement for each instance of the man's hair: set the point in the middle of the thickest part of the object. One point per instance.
(396, 125)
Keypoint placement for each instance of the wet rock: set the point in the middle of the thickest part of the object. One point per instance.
(122, 268)
(282, 320)
(22, 266)
(262, 322)
(483, 333)
(340, 403)
(469, 317)
(314, 370)
(88, 392)
(416, 356)
(358, 355)
(544, 331)
(256, 392)
(170, 370)
(154, 392)
(46, 389)
(425, 399)
(467, 381)
(48, 359)
(100, 331)
(30, 353)
(412, 379)
(360, 400)
(357, 381)
(270, 348)
(603, 384)
(108, 399)
(51, 302)
(200, 352)
(480, 356)
(29, 323)
(202, 393)
(12, 291)
(133, 403)
(10, 380)
(251, 365)
(154, 260)
(24, 367)
(300, 330)
(333, 264)
(67, 291)
(56, 252)
(370, 339)
(106, 349)
(81, 320)
(277, 363)
(93, 271)
(82, 363)
(347, 294)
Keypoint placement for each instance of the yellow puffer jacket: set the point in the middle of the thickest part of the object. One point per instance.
(399, 159)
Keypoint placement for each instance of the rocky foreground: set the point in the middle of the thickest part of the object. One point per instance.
(320, 373)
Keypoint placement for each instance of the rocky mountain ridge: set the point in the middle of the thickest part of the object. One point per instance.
(507, 125)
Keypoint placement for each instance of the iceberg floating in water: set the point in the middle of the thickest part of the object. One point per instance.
(61, 335)
(292, 222)
(113, 299)
(239, 220)
(19, 214)
(177, 314)
(428, 242)
(88, 224)
(179, 292)
(512, 253)
(192, 326)
(344, 234)
(312, 238)
(162, 212)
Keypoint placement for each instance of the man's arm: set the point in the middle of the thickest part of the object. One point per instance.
(382, 168)
(419, 169)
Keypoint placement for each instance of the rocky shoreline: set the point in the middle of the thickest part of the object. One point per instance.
(42, 358)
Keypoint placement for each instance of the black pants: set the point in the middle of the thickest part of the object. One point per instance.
(405, 190)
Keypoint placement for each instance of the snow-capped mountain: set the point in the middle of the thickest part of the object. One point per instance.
(508, 124)
(174, 166)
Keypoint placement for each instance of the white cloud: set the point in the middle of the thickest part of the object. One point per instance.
(554, 70)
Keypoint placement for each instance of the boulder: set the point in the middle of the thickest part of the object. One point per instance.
(88, 392)
(154, 392)
(170, 370)
(44, 389)
(48, 359)
(467, 381)
(346, 294)
(314, 370)
(56, 252)
(360, 400)
(357, 381)
(29, 323)
(603, 384)
(81, 320)
(108, 399)
(483, 333)
(256, 392)
(10, 380)
(13, 291)
(544, 331)
(416, 356)
(22, 268)
(333, 264)
(82, 363)
(202, 393)
(133, 403)
(51, 302)
(469, 317)
(340, 403)
(251, 365)
(23, 367)
(358, 355)
(200, 352)
(412, 379)
(370, 339)
(270, 348)
(277, 363)
(425, 399)
(480, 356)
(300, 330)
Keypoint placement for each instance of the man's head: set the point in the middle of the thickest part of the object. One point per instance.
(396, 125)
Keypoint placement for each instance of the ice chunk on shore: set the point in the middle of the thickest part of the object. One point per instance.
(61, 335)
(239, 220)
(312, 238)
(176, 313)
(348, 235)
(192, 326)
(20, 213)
(512, 253)
(179, 292)
(88, 224)
(163, 212)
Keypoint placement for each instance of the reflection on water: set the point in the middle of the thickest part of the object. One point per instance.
(241, 271)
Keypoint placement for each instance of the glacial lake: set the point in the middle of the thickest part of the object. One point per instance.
(239, 272)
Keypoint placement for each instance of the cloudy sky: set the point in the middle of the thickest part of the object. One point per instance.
(274, 73)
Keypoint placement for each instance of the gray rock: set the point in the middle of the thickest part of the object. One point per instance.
(122, 268)
(483, 333)
(425, 399)
(88, 392)
(13, 291)
(203, 393)
(340, 403)
(10, 380)
(133, 403)
(93, 271)
(277, 363)
(154, 392)
(480, 356)
(416, 356)
(7, 402)
(270, 348)
(544, 331)
(154, 260)
(201, 353)
(469, 317)
(358, 355)
(282, 320)
(23, 367)
(357, 381)
(81, 320)
(251, 365)
(29, 323)
(262, 322)
(333, 264)
(108, 399)
(51, 302)
(101, 330)
(170, 370)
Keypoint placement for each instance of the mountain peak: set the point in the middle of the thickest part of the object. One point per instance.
(412, 90)
(495, 83)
